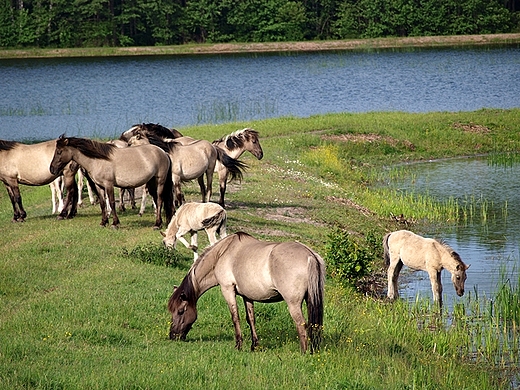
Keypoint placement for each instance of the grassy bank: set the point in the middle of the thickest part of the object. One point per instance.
(235, 48)
(85, 307)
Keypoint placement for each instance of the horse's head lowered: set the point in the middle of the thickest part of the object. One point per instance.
(183, 307)
(458, 276)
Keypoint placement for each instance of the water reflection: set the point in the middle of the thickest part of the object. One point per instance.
(488, 237)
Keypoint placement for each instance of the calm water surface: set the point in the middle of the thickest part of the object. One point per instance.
(491, 246)
(101, 97)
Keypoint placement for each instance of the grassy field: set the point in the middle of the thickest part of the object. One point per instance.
(85, 307)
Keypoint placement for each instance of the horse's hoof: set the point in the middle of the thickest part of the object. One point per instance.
(115, 227)
(60, 217)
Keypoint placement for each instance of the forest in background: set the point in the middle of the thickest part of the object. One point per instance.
(122, 23)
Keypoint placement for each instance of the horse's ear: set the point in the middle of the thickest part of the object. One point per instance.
(163, 234)
(467, 266)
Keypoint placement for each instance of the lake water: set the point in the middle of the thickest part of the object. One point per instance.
(101, 97)
(490, 244)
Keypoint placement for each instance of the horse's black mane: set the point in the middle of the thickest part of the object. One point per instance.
(7, 145)
(237, 139)
(160, 142)
(90, 148)
(185, 291)
(158, 130)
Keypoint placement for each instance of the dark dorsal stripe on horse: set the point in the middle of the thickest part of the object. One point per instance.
(7, 145)
(90, 148)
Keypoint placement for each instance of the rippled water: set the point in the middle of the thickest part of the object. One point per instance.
(101, 97)
(490, 244)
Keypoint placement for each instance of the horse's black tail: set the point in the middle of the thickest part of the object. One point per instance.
(219, 219)
(315, 301)
(386, 250)
(167, 196)
(235, 167)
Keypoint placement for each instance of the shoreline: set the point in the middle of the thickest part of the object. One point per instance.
(270, 47)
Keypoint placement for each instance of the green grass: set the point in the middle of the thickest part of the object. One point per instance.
(85, 307)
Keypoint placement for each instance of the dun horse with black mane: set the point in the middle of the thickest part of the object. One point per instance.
(235, 144)
(256, 271)
(109, 166)
(427, 254)
(28, 165)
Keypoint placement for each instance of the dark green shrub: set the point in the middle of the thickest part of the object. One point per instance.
(155, 254)
(347, 260)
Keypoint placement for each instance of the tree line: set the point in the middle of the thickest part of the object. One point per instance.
(94, 23)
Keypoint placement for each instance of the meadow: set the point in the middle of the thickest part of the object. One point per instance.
(83, 306)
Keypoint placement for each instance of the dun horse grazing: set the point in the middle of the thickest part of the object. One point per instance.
(192, 161)
(150, 129)
(29, 165)
(192, 217)
(235, 144)
(109, 166)
(427, 254)
(256, 271)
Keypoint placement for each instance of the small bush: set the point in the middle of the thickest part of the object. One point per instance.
(348, 261)
(155, 254)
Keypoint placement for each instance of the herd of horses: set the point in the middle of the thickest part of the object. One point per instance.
(159, 160)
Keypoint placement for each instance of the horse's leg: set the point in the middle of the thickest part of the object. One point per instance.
(180, 236)
(212, 234)
(179, 197)
(231, 299)
(297, 315)
(13, 190)
(143, 201)
(80, 188)
(155, 191)
(70, 205)
(122, 199)
(200, 179)
(393, 274)
(131, 195)
(222, 178)
(103, 204)
(52, 186)
(209, 179)
(112, 201)
(250, 318)
(435, 279)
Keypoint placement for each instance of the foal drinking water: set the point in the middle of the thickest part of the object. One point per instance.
(404, 247)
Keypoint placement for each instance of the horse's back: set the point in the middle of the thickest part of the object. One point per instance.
(265, 271)
(29, 163)
(193, 214)
(412, 249)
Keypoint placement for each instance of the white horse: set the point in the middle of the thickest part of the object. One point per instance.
(427, 254)
(192, 217)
